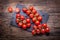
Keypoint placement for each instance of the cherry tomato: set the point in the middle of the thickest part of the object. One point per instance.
(47, 30)
(10, 9)
(40, 18)
(34, 19)
(36, 15)
(22, 17)
(24, 10)
(33, 32)
(19, 24)
(37, 22)
(31, 15)
(24, 26)
(38, 31)
(44, 25)
(39, 26)
(28, 20)
(18, 15)
(43, 31)
(24, 21)
(17, 10)
(31, 8)
(35, 27)
(34, 11)
(28, 25)
(28, 12)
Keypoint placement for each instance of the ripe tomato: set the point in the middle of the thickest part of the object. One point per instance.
(28, 12)
(37, 22)
(28, 20)
(17, 15)
(24, 10)
(22, 17)
(33, 32)
(28, 25)
(24, 26)
(17, 20)
(19, 24)
(31, 15)
(39, 26)
(17, 10)
(36, 15)
(47, 30)
(24, 21)
(31, 8)
(42, 31)
(34, 19)
(10, 9)
(44, 25)
(38, 31)
(40, 18)
(34, 11)
(35, 27)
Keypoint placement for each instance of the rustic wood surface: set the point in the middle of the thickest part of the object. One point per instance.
(8, 32)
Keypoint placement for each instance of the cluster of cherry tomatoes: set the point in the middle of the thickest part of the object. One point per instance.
(24, 23)
(36, 19)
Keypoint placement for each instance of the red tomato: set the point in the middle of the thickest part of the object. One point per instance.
(35, 27)
(17, 20)
(28, 20)
(38, 31)
(10, 9)
(47, 30)
(17, 10)
(19, 24)
(42, 31)
(36, 15)
(17, 15)
(31, 15)
(31, 8)
(44, 25)
(24, 10)
(33, 32)
(28, 25)
(24, 21)
(40, 18)
(28, 12)
(37, 22)
(34, 11)
(34, 19)
(22, 17)
(39, 26)
(24, 26)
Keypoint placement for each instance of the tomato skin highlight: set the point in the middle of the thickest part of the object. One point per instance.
(47, 30)
(43, 31)
(34, 11)
(34, 19)
(28, 20)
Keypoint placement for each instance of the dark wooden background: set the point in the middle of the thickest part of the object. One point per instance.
(8, 32)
